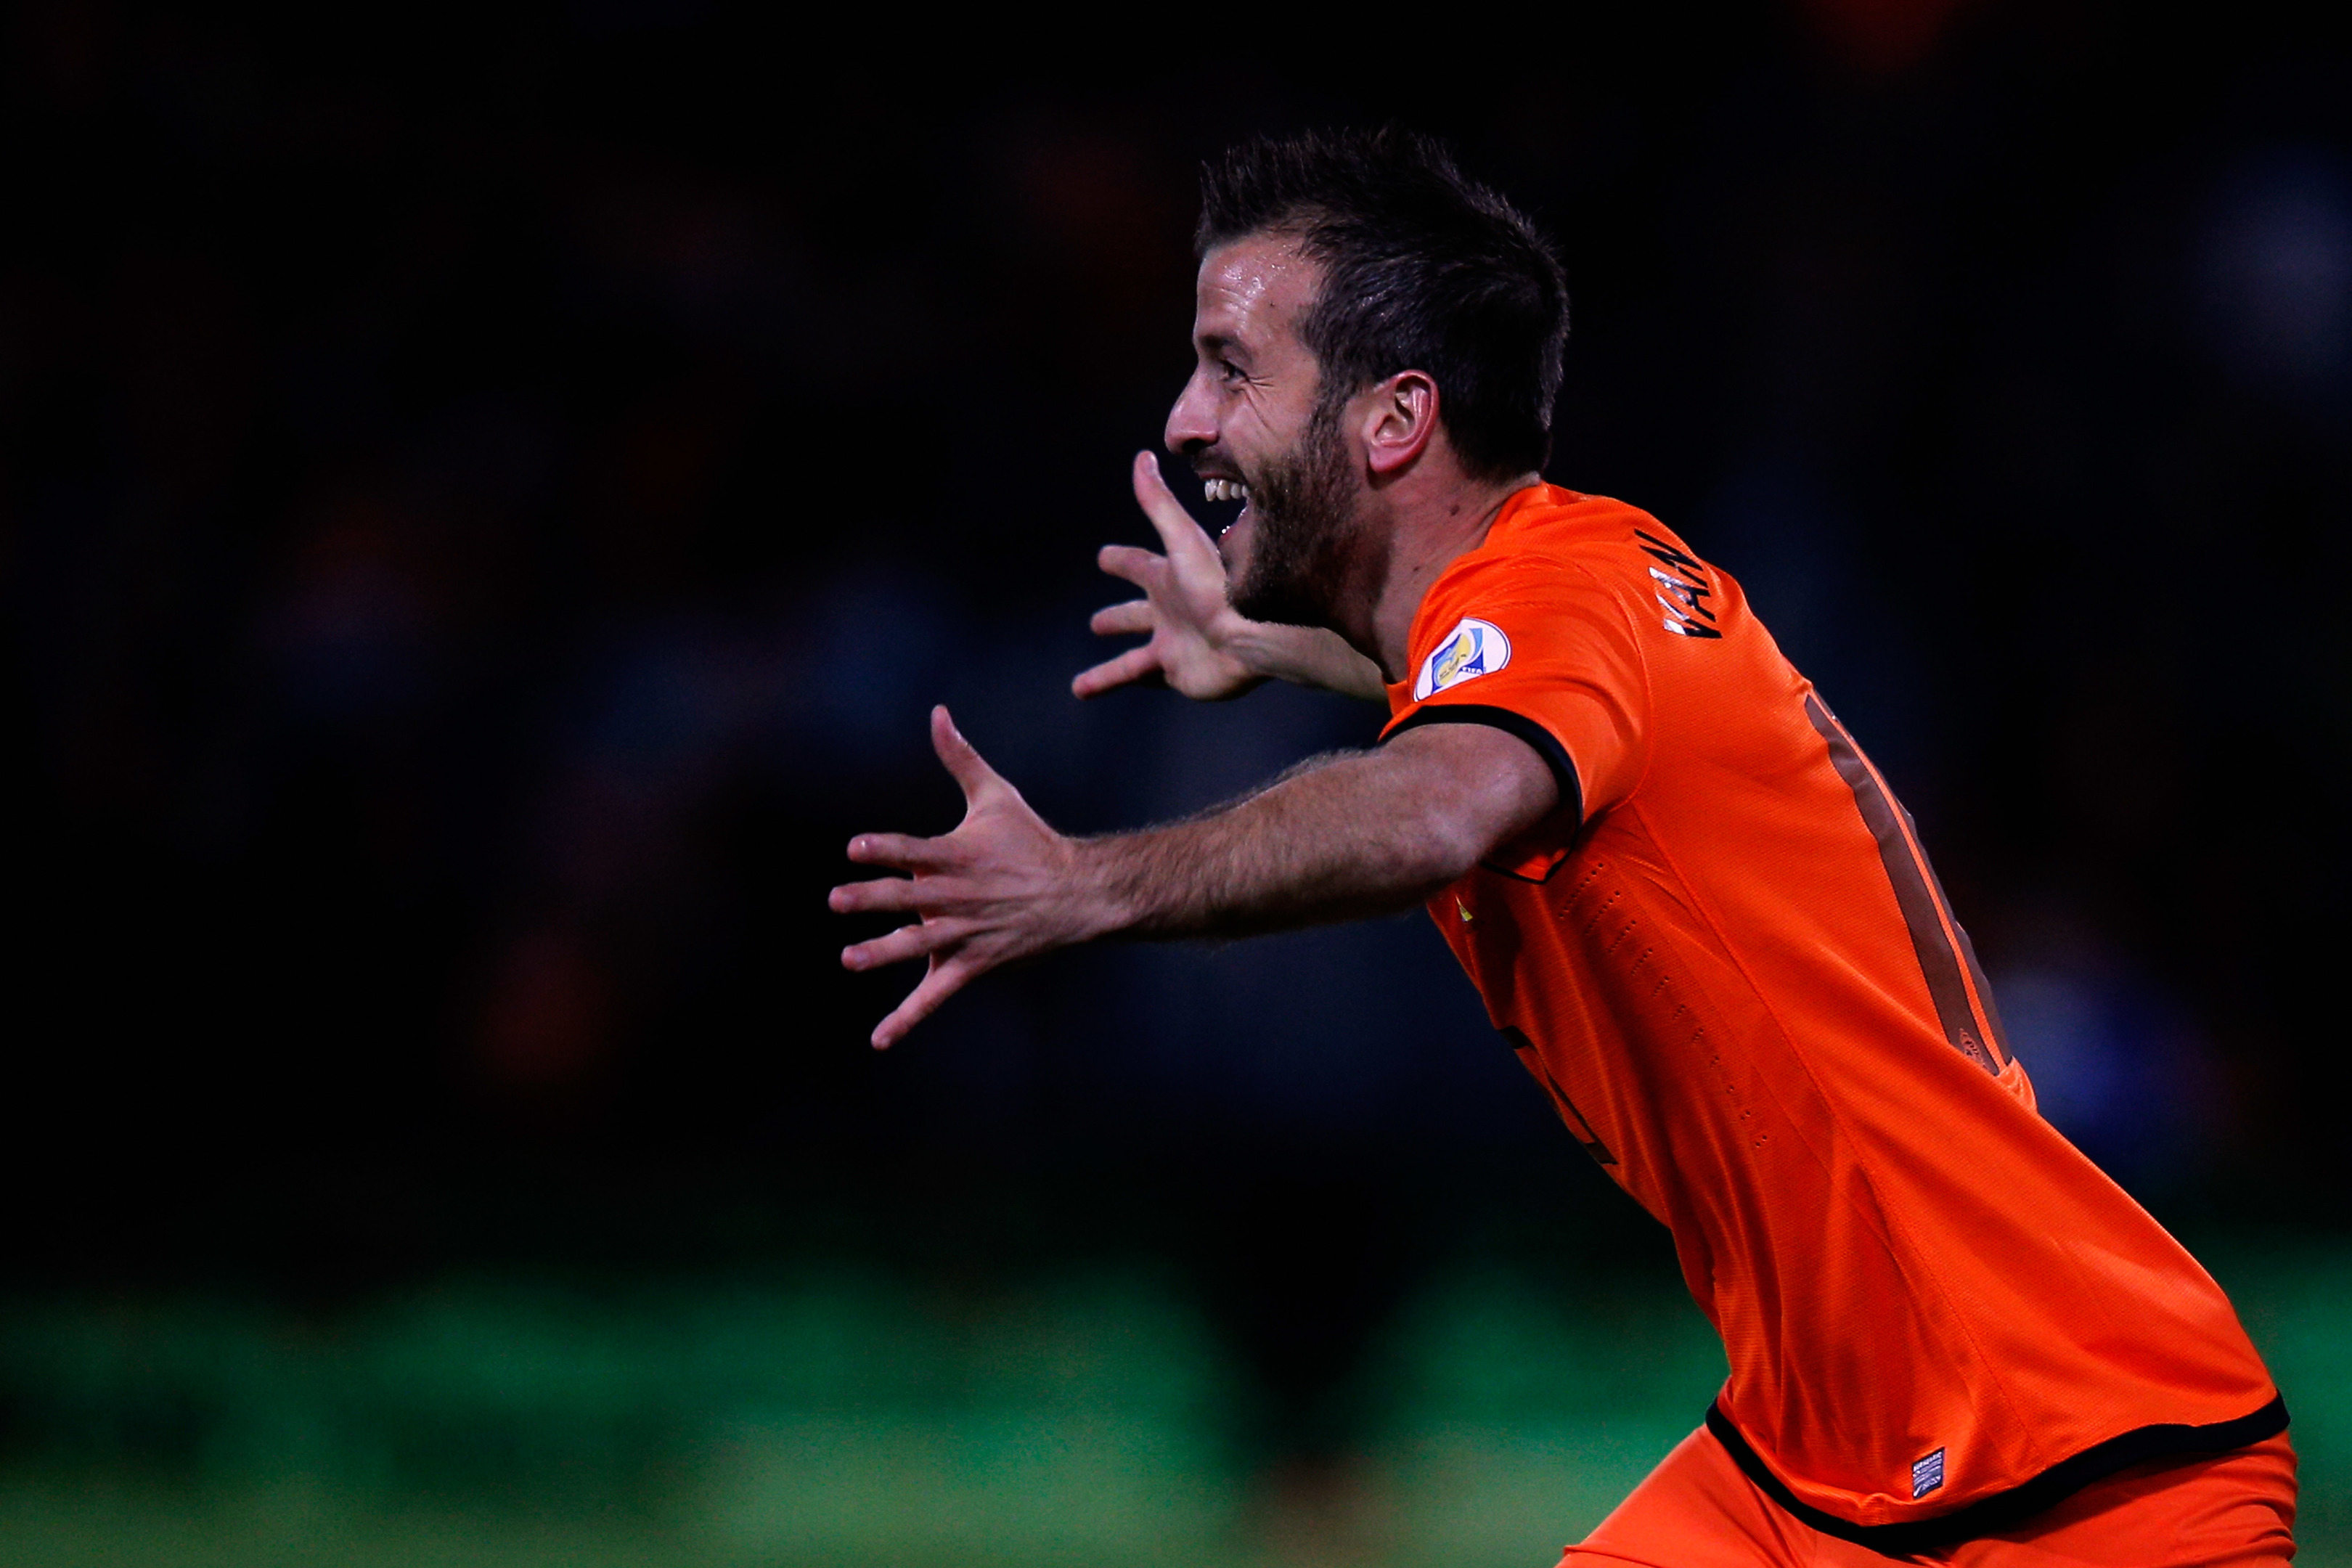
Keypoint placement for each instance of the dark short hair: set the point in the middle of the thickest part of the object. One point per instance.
(1423, 270)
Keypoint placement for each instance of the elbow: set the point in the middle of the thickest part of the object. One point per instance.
(1446, 850)
(1458, 830)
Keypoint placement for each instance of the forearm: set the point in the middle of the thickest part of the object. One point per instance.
(1337, 842)
(1305, 656)
(1360, 834)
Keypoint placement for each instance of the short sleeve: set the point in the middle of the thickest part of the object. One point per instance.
(1539, 647)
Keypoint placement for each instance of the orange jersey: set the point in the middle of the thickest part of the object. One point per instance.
(1727, 963)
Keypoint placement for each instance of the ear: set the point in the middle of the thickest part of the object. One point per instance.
(1397, 420)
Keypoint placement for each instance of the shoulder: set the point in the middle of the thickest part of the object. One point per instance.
(1574, 574)
(1596, 534)
(1551, 545)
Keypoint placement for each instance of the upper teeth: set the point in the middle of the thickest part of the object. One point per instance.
(1225, 490)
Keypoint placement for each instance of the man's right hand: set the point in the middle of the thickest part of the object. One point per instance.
(1183, 610)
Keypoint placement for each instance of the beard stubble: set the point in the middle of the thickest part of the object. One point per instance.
(1304, 506)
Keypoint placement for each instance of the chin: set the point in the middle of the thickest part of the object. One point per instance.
(1280, 604)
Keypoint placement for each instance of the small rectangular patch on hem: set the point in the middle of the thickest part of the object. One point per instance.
(1927, 1475)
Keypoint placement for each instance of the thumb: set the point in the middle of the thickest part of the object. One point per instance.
(963, 764)
(1178, 529)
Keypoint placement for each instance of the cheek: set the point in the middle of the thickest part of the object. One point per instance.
(1247, 441)
(1264, 426)
(1246, 417)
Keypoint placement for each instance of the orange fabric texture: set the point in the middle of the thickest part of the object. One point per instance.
(1734, 977)
(2230, 1511)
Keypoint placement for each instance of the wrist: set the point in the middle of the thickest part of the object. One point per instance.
(1103, 900)
(1305, 655)
(1262, 651)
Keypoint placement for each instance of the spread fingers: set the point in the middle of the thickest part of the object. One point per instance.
(902, 851)
(1122, 620)
(1135, 664)
(905, 943)
(1132, 563)
(945, 979)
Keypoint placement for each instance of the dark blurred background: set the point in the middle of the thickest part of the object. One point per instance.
(487, 500)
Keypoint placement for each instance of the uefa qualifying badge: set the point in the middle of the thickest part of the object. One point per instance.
(1473, 648)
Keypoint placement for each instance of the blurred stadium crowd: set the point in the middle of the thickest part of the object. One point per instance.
(484, 510)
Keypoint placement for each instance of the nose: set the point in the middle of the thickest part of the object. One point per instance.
(1191, 423)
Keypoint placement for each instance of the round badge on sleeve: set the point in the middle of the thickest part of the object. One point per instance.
(1471, 649)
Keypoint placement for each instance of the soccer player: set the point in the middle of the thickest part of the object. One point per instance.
(1690, 903)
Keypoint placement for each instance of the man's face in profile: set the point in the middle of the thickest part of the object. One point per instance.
(1253, 419)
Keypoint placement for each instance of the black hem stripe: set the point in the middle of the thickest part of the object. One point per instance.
(1994, 1514)
(1546, 744)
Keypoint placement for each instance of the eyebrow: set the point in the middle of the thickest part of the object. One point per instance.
(1218, 343)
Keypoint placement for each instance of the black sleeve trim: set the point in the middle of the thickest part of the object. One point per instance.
(1546, 744)
(1991, 1515)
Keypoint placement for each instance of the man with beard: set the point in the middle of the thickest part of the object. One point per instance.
(1692, 906)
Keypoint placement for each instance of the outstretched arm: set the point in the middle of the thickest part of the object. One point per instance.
(1360, 833)
(1199, 644)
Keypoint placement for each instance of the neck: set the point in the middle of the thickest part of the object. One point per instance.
(1413, 533)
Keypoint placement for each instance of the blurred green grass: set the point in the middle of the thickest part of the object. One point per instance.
(856, 1419)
